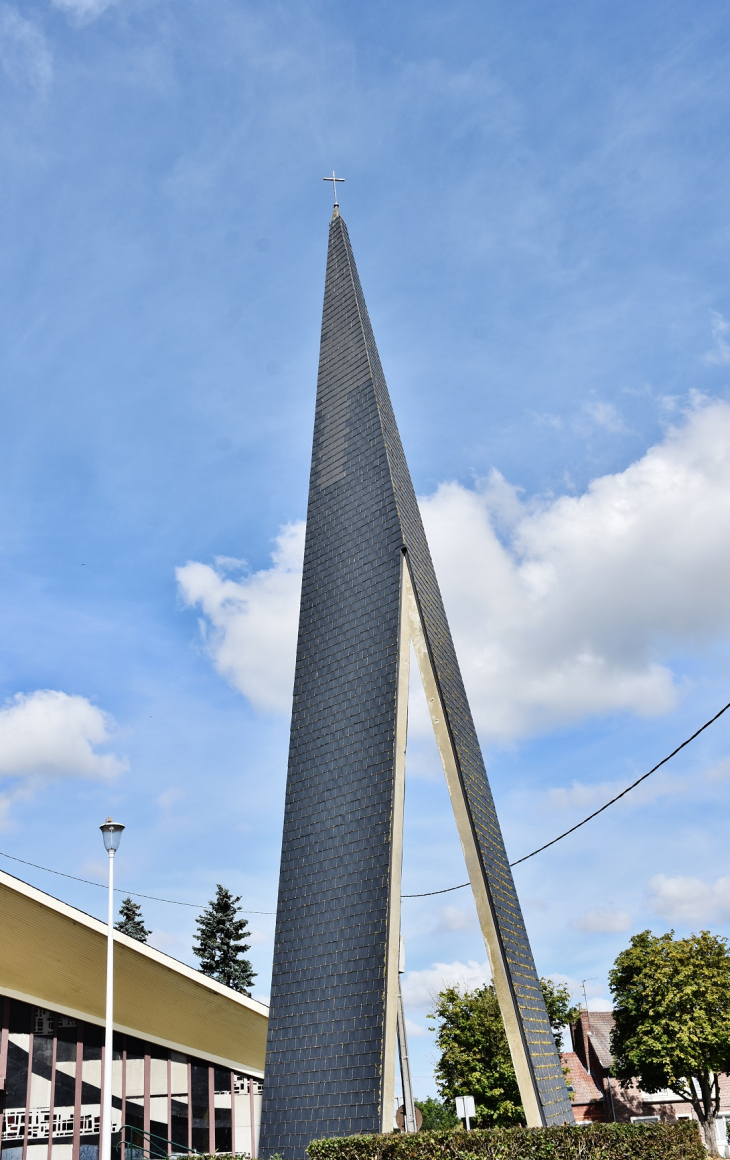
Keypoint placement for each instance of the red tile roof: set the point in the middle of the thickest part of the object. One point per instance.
(584, 1089)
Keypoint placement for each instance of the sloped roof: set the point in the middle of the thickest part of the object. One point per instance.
(53, 955)
(599, 1027)
(584, 1089)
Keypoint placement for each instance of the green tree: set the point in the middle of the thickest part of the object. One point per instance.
(475, 1057)
(221, 942)
(672, 1019)
(131, 921)
(436, 1114)
(557, 1003)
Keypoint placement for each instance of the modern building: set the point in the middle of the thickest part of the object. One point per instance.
(368, 591)
(597, 1096)
(188, 1052)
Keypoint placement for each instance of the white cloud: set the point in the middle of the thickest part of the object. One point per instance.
(442, 920)
(719, 772)
(689, 900)
(560, 609)
(451, 918)
(167, 800)
(596, 921)
(420, 988)
(48, 734)
(53, 734)
(721, 337)
(415, 1031)
(83, 11)
(568, 616)
(582, 796)
(604, 415)
(24, 53)
(256, 937)
(250, 628)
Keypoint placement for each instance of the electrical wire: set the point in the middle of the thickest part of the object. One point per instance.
(628, 789)
(119, 889)
(446, 890)
(427, 893)
(595, 813)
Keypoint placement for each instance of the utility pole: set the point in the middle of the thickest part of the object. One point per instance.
(409, 1107)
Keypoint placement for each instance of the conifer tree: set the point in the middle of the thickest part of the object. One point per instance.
(131, 921)
(221, 943)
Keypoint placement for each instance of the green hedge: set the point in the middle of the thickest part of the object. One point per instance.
(668, 1141)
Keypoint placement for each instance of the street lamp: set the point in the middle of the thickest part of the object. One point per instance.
(112, 834)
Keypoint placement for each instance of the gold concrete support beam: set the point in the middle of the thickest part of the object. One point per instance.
(493, 943)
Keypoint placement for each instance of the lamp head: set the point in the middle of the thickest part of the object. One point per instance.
(112, 833)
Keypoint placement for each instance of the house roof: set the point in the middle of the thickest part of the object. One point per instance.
(584, 1089)
(599, 1025)
(53, 955)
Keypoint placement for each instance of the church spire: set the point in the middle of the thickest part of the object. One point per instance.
(368, 590)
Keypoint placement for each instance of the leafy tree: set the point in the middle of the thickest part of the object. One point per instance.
(559, 1011)
(436, 1114)
(221, 942)
(672, 1018)
(131, 921)
(475, 1057)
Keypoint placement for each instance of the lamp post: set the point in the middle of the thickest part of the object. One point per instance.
(112, 834)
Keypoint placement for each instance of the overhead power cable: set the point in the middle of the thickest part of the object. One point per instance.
(595, 813)
(119, 889)
(446, 890)
(628, 789)
(427, 893)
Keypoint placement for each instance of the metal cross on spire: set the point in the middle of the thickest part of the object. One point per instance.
(334, 181)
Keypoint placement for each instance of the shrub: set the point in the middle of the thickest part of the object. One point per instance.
(662, 1141)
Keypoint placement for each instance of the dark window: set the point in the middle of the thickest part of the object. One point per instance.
(200, 1109)
(179, 1101)
(16, 1080)
(91, 1091)
(179, 1126)
(40, 1086)
(19, 1017)
(134, 1106)
(158, 1094)
(93, 1041)
(65, 1088)
(16, 1083)
(223, 1136)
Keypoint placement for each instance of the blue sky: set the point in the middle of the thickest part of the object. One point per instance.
(537, 198)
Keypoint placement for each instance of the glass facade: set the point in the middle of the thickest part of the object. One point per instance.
(50, 1099)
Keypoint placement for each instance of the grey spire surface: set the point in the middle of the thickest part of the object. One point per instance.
(331, 1045)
